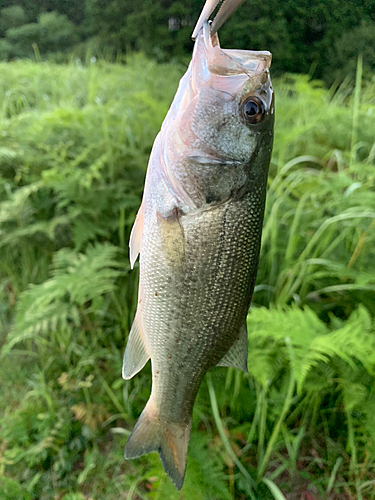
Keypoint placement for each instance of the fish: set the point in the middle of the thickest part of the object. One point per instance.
(198, 234)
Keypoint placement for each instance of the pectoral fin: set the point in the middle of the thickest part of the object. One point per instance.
(237, 354)
(136, 355)
(172, 235)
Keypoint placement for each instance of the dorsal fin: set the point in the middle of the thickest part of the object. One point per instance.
(135, 240)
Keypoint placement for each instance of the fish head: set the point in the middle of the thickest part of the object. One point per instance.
(223, 113)
(232, 107)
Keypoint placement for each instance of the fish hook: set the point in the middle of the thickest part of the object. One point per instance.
(226, 10)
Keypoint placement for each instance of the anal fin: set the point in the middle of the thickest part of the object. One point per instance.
(236, 357)
(136, 355)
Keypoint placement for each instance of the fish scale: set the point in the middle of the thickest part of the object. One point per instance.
(198, 234)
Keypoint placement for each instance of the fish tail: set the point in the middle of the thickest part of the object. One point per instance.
(171, 440)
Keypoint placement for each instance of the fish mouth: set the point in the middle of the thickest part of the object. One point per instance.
(230, 71)
(228, 62)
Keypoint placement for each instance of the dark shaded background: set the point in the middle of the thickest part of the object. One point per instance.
(319, 37)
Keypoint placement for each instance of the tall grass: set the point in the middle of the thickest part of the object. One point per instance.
(74, 145)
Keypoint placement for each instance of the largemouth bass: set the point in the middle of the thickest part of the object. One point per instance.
(198, 234)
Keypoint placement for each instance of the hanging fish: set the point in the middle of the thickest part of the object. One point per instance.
(198, 235)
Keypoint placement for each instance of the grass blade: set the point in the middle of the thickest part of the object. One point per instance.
(220, 428)
(275, 490)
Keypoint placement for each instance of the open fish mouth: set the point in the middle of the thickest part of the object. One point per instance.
(226, 70)
(228, 62)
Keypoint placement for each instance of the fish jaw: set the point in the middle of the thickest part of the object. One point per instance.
(210, 59)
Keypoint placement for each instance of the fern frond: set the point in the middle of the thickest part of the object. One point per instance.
(57, 302)
(47, 228)
(311, 341)
(12, 209)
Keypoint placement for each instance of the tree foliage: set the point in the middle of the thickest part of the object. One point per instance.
(323, 38)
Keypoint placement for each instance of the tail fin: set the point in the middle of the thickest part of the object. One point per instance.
(171, 440)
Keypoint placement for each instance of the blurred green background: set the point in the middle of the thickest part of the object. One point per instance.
(84, 87)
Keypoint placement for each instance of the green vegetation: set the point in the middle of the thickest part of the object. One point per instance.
(323, 38)
(74, 144)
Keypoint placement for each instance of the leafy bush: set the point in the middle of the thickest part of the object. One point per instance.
(53, 32)
(60, 32)
(12, 17)
(358, 40)
(6, 50)
(23, 37)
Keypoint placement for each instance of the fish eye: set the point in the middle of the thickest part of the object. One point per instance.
(253, 110)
